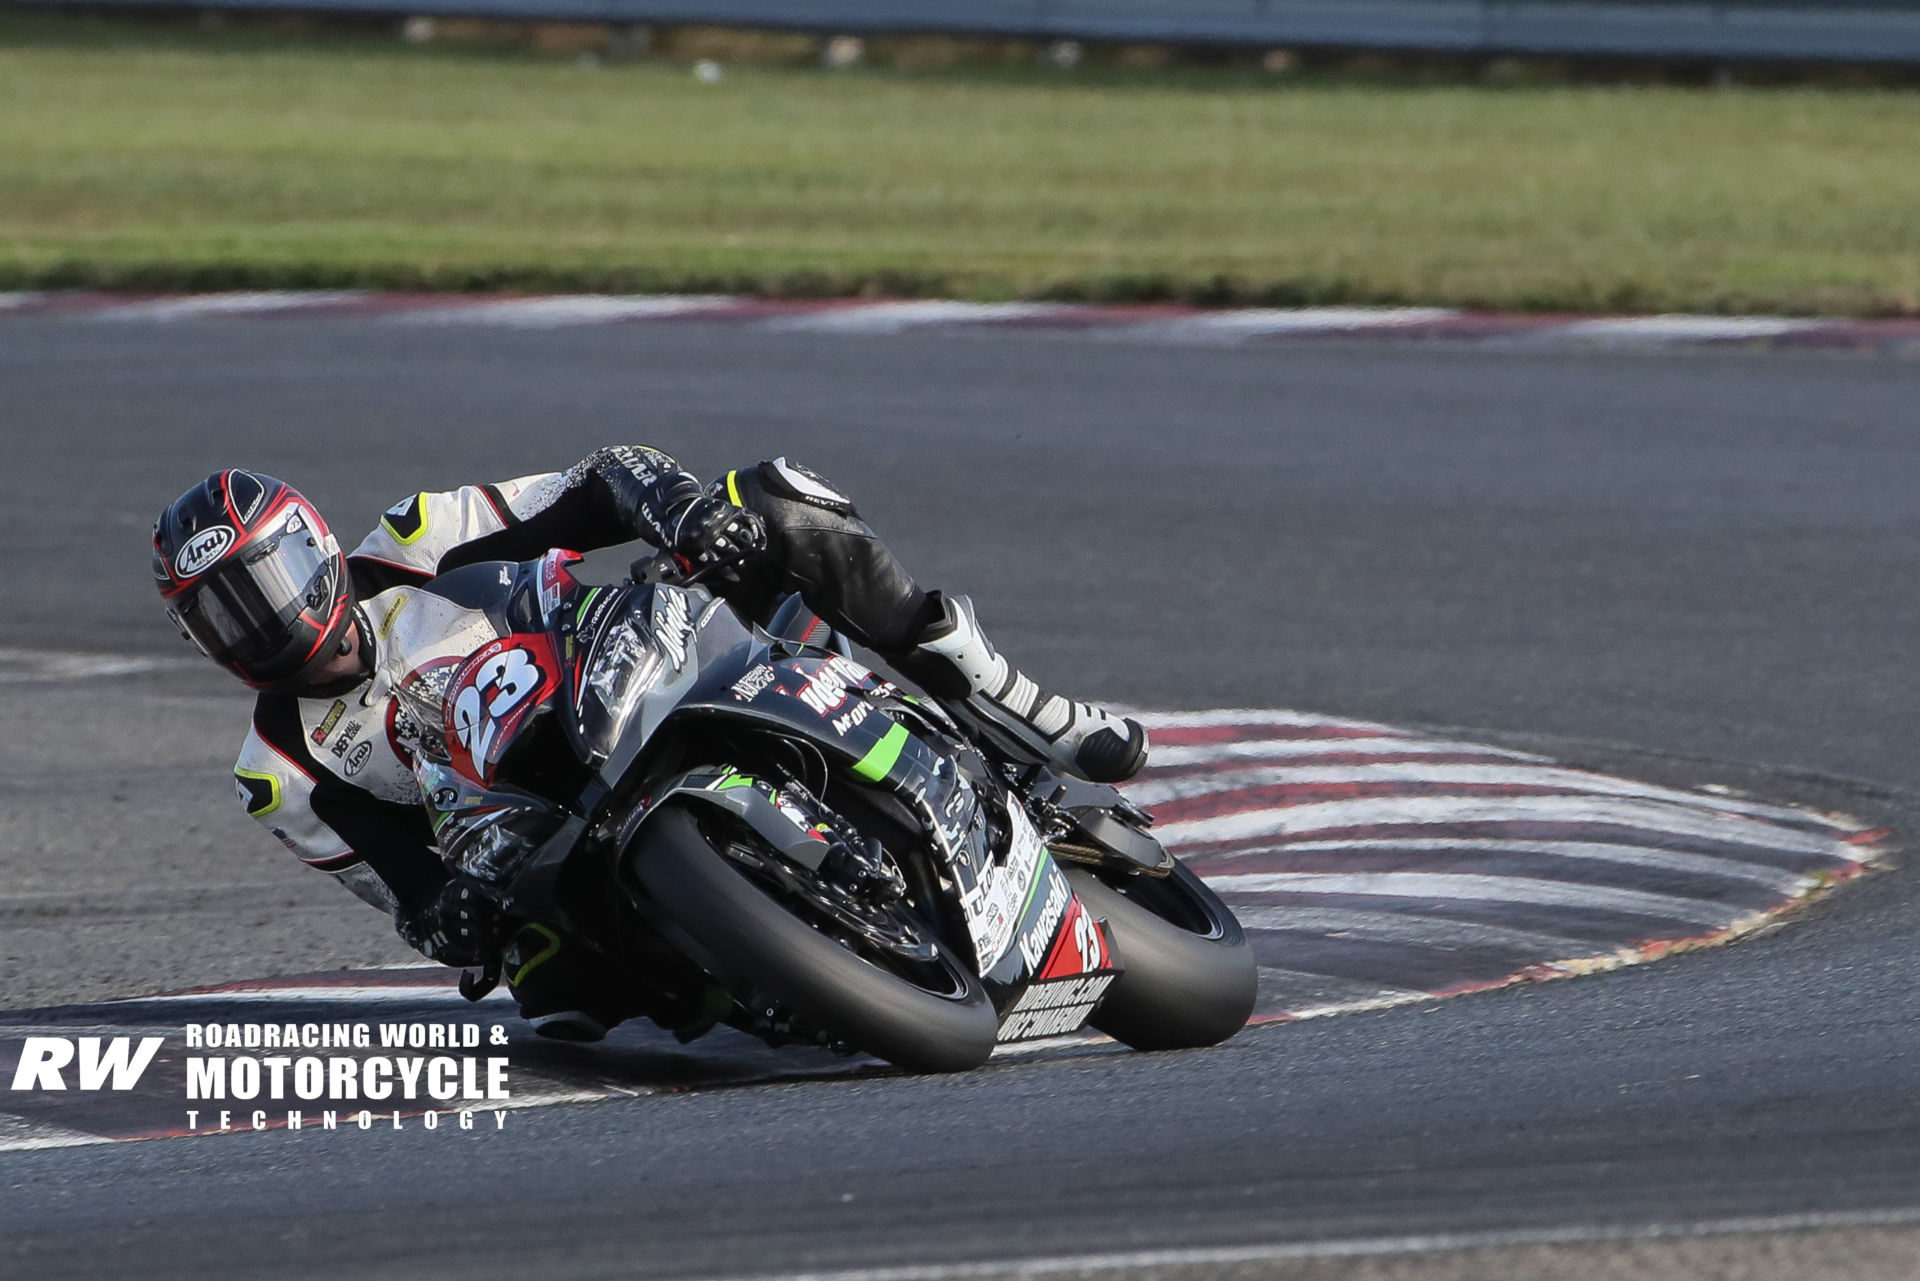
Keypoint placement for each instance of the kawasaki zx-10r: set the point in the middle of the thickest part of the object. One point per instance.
(744, 825)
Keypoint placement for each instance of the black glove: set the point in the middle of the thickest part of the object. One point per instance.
(459, 927)
(711, 532)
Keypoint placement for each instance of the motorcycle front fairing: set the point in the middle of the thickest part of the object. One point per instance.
(623, 665)
(1044, 959)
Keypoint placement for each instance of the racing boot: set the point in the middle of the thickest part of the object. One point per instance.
(957, 664)
(556, 986)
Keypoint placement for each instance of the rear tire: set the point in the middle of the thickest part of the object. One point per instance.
(1190, 978)
(746, 938)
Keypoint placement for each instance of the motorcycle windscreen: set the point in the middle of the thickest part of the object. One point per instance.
(641, 655)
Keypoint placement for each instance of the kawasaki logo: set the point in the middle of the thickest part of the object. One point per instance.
(202, 550)
(42, 1058)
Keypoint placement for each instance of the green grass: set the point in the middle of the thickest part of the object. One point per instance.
(135, 159)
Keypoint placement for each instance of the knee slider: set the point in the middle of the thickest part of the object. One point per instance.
(802, 485)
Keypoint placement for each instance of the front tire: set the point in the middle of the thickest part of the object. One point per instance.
(749, 940)
(1190, 977)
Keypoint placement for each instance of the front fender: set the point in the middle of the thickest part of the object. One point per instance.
(754, 801)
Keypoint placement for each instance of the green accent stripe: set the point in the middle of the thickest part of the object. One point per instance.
(881, 757)
(1040, 878)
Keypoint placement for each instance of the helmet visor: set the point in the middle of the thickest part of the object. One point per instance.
(247, 610)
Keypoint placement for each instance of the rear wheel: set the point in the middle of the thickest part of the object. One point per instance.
(1190, 977)
(878, 980)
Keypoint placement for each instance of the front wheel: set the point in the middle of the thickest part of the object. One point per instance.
(1189, 977)
(930, 1016)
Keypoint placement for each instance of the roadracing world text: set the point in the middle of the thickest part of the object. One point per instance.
(387, 1072)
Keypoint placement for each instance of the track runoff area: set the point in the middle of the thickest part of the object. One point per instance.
(1372, 866)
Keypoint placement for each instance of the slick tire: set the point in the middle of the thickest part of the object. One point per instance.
(748, 940)
(1189, 977)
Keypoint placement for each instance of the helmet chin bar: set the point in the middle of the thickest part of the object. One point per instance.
(305, 683)
(186, 635)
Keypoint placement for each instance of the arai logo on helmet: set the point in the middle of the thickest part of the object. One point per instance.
(202, 550)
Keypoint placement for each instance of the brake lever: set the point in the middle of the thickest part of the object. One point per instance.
(667, 568)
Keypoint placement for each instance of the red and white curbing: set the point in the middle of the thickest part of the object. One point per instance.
(1372, 866)
(1170, 324)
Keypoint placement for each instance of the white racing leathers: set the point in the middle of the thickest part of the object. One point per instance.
(333, 778)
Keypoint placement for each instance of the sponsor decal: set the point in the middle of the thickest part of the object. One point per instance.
(671, 626)
(202, 550)
(555, 581)
(347, 735)
(357, 760)
(997, 902)
(327, 723)
(393, 612)
(1037, 941)
(851, 718)
(748, 687)
(830, 685)
(1054, 1009)
(797, 816)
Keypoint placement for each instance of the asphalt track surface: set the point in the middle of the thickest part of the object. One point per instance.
(1696, 567)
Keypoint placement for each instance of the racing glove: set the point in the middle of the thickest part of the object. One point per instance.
(710, 532)
(461, 926)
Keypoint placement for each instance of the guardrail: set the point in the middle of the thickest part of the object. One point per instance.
(1777, 30)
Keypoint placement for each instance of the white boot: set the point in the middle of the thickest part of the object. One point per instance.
(1018, 716)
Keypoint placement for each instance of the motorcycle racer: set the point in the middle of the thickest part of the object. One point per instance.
(251, 574)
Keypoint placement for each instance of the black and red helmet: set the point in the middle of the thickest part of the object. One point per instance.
(251, 575)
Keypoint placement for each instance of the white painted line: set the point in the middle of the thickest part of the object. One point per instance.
(1158, 791)
(1420, 931)
(1272, 716)
(1300, 994)
(892, 317)
(560, 310)
(1379, 811)
(1266, 748)
(17, 1134)
(1237, 326)
(1678, 328)
(34, 665)
(13, 302)
(213, 305)
(1777, 879)
(410, 995)
(1469, 888)
(1343, 1248)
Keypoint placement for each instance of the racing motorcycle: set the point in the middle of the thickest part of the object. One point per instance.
(742, 824)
